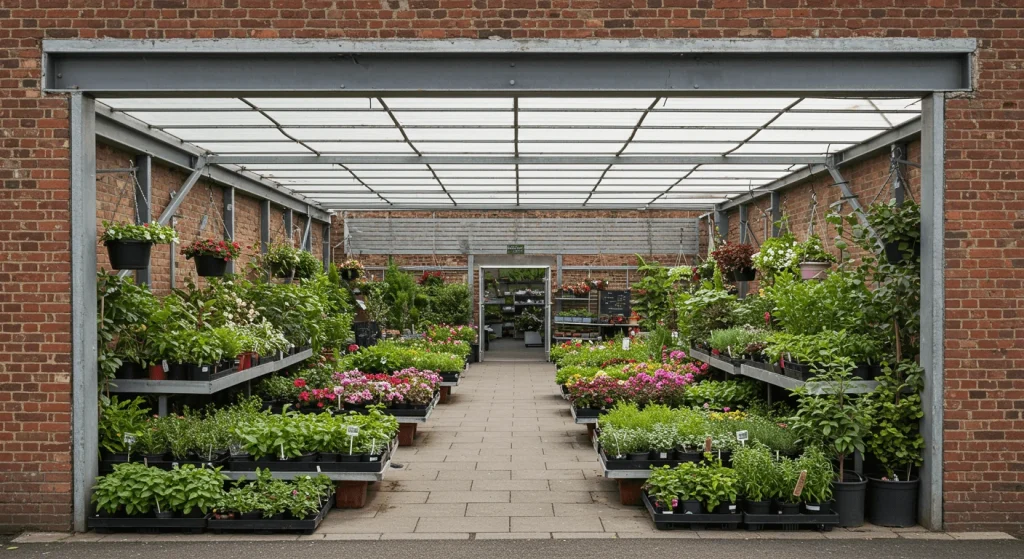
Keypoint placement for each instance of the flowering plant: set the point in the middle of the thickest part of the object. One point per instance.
(407, 386)
(227, 250)
(431, 278)
(578, 289)
(444, 334)
(733, 257)
(598, 284)
(147, 232)
(777, 254)
(352, 264)
(812, 250)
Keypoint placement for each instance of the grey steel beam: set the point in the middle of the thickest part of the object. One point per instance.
(776, 212)
(933, 307)
(182, 192)
(84, 344)
(513, 206)
(681, 67)
(873, 146)
(229, 221)
(289, 234)
(511, 160)
(264, 226)
(306, 235)
(743, 239)
(143, 194)
(858, 209)
(722, 223)
(129, 134)
(898, 168)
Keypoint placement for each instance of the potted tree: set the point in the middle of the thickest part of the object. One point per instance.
(212, 256)
(735, 260)
(815, 261)
(896, 443)
(129, 245)
(838, 422)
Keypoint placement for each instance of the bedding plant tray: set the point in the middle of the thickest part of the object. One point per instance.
(673, 520)
(794, 521)
(148, 524)
(254, 522)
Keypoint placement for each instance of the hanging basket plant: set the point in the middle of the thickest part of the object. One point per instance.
(815, 261)
(351, 270)
(212, 256)
(736, 261)
(129, 245)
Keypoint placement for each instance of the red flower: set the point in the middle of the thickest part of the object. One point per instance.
(299, 383)
(353, 348)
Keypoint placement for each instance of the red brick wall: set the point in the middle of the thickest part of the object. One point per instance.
(984, 185)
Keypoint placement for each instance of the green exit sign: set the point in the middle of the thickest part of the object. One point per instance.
(516, 249)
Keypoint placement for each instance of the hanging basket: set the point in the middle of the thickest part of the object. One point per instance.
(348, 274)
(210, 266)
(128, 255)
(814, 270)
(744, 274)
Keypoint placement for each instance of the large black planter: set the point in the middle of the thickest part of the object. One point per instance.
(210, 266)
(896, 256)
(348, 274)
(129, 255)
(849, 496)
(744, 274)
(129, 370)
(474, 354)
(893, 503)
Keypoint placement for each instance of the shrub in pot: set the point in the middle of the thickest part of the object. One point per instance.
(193, 491)
(212, 256)
(896, 443)
(759, 477)
(717, 487)
(129, 245)
(838, 422)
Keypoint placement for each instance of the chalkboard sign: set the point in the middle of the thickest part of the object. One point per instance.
(614, 303)
(516, 249)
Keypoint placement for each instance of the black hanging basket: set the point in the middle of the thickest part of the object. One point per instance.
(348, 274)
(210, 266)
(744, 274)
(129, 255)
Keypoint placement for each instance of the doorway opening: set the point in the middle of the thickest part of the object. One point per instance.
(515, 313)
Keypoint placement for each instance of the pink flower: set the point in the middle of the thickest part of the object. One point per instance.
(353, 348)
(725, 409)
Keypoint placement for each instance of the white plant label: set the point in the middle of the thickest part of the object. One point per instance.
(675, 335)
(318, 469)
(129, 439)
(742, 436)
(625, 344)
(352, 430)
(165, 366)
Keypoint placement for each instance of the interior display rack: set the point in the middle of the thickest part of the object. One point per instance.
(511, 298)
(590, 328)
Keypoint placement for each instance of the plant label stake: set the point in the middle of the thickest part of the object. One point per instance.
(707, 445)
(625, 344)
(742, 437)
(165, 366)
(282, 451)
(353, 432)
(800, 483)
(129, 439)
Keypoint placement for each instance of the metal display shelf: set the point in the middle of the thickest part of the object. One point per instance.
(142, 386)
(577, 323)
(566, 338)
(622, 474)
(775, 379)
(454, 383)
(333, 476)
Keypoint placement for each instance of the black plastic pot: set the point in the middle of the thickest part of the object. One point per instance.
(208, 266)
(816, 508)
(129, 370)
(787, 508)
(251, 515)
(348, 458)
(744, 274)
(308, 457)
(639, 456)
(688, 456)
(128, 255)
(758, 507)
(177, 371)
(474, 353)
(348, 274)
(727, 508)
(893, 503)
(849, 499)
(200, 372)
(690, 507)
(663, 455)
(863, 371)
(164, 515)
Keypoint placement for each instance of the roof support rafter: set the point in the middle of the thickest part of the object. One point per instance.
(383, 160)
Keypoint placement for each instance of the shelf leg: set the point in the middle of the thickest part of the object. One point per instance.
(590, 430)
(350, 494)
(630, 491)
(161, 405)
(446, 392)
(407, 434)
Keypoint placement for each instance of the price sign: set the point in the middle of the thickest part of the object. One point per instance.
(352, 430)
(800, 483)
(129, 439)
(742, 436)
(625, 344)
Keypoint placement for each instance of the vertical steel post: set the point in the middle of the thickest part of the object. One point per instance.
(722, 223)
(743, 239)
(776, 212)
(143, 194)
(289, 235)
(172, 267)
(933, 305)
(897, 155)
(264, 226)
(84, 404)
(325, 242)
(229, 221)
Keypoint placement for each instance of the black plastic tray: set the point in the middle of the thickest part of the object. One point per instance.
(450, 377)
(586, 412)
(612, 464)
(307, 526)
(107, 466)
(108, 525)
(822, 522)
(664, 521)
(310, 467)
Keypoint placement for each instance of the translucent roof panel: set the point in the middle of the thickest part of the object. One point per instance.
(503, 151)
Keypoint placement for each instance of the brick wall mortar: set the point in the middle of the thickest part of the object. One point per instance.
(984, 185)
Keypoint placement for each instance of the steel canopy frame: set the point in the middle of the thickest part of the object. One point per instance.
(674, 68)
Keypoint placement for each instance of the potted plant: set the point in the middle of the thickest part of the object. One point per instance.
(129, 245)
(131, 490)
(193, 492)
(758, 477)
(776, 255)
(663, 488)
(816, 496)
(837, 421)
(690, 477)
(899, 227)
(815, 261)
(351, 270)
(212, 256)
(281, 260)
(717, 487)
(735, 260)
(896, 443)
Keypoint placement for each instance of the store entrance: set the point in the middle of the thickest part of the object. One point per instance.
(515, 317)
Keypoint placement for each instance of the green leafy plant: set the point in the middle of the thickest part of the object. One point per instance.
(733, 257)
(759, 477)
(121, 421)
(819, 478)
(707, 309)
(813, 250)
(147, 232)
(895, 405)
